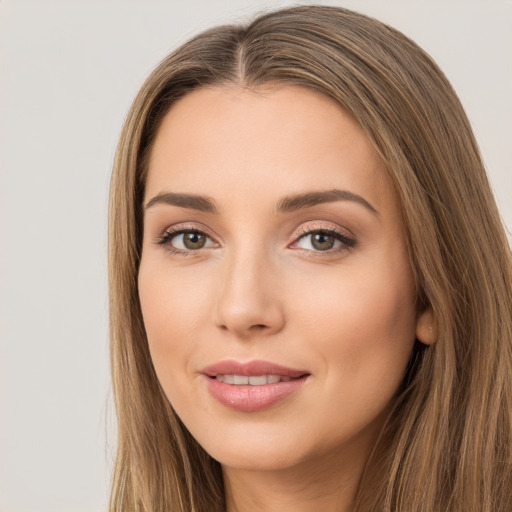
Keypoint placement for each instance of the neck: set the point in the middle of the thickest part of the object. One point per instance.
(328, 480)
(326, 483)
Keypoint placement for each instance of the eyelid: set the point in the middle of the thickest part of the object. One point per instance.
(319, 226)
(170, 232)
(347, 240)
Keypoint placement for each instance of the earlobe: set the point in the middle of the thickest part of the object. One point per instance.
(426, 327)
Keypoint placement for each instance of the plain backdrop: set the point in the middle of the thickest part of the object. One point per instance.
(68, 73)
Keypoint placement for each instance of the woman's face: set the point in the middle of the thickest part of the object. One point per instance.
(275, 284)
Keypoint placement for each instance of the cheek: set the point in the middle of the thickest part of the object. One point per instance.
(363, 324)
(174, 307)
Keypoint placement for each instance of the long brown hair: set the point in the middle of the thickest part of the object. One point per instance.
(447, 443)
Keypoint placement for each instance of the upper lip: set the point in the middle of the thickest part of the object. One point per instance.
(251, 369)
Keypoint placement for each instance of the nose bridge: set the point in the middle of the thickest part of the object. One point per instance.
(248, 300)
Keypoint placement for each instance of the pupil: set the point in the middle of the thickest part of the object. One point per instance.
(323, 241)
(193, 240)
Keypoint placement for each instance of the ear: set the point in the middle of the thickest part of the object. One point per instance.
(426, 327)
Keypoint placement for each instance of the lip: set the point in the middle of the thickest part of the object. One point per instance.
(251, 369)
(249, 398)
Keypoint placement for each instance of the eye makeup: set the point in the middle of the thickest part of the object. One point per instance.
(323, 241)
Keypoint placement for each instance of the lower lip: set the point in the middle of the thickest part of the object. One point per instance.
(247, 398)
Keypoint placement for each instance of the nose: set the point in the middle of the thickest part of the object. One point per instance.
(249, 302)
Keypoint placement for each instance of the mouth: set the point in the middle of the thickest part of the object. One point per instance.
(253, 386)
(253, 380)
(235, 372)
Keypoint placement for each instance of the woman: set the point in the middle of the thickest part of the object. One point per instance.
(310, 284)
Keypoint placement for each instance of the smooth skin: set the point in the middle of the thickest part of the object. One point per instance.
(257, 284)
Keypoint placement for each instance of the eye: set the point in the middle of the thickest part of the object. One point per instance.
(326, 240)
(187, 241)
(184, 241)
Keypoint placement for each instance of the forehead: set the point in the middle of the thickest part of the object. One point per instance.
(262, 144)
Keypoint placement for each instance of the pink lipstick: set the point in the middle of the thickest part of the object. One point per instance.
(252, 386)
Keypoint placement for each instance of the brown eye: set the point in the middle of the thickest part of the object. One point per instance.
(194, 240)
(185, 240)
(322, 241)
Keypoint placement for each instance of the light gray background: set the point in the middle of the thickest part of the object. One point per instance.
(69, 70)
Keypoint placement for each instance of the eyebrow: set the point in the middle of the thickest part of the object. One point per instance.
(285, 205)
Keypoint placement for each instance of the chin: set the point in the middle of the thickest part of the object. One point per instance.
(256, 460)
(263, 452)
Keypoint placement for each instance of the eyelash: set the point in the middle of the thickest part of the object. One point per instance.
(347, 242)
